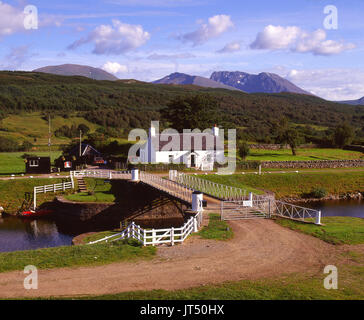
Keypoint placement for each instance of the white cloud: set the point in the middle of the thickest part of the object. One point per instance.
(114, 39)
(114, 67)
(330, 84)
(276, 37)
(11, 19)
(17, 57)
(216, 26)
(230, 47)
(172, 57)
(298, 40)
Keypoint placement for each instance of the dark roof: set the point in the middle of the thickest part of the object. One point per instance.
(86, 149)
(187, 142)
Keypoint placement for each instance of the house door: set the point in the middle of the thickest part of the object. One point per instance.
(193, 161)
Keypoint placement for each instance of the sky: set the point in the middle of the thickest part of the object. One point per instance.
(316, 44)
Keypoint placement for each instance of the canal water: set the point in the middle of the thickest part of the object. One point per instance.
(25, 234)
(344, 208)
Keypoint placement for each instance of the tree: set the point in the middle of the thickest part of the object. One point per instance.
(243, 150)
(196, 112)
(8, 145)
(343, 135)
(286, 134)
(85, 129)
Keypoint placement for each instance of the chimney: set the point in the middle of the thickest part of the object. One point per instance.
(215, 131)
(152, 130)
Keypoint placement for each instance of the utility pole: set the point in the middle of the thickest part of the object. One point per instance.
(49, 135)
(80, 143)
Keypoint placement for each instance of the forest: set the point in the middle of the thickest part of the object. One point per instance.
(132, 104)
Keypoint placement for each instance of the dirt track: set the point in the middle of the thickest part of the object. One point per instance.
(260, 248)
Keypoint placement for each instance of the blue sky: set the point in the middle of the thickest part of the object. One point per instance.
(148, 39)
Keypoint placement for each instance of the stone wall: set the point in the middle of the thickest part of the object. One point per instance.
(139, 203)
(313, 164)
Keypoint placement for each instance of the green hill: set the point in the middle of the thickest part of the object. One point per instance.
(129, 104)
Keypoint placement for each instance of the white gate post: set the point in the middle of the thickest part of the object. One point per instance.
(197, 198)
(110, 175)
(135, 175)
(318, 217)
(195, 225)
(35, 199)
(172, 236)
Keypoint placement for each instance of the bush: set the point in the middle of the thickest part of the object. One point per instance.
(317, 193)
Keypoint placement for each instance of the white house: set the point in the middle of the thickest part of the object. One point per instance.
(196, 150)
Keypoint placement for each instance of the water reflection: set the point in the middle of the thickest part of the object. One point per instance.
(345, 208)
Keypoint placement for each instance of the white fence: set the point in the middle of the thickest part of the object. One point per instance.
(63, 186)
(216, 190)
(103, 174)
(157, 236)
(271, 207)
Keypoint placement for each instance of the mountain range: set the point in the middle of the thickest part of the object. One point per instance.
(185, 79)
(78, 70)
(249, 83)
(359, 102)
(252, 83)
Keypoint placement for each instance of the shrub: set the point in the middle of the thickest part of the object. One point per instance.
(317, 193)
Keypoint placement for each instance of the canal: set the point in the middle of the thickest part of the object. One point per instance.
(25, 234)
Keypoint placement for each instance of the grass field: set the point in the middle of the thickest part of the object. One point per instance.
(304, 154)
(296, 184)
(216, 230)
(70, 256)
(101, 192)
(12, 192)
(13, 163)
(30, 126)
(335, 230)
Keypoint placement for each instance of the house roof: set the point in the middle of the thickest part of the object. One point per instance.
(85, 150)
(187, 142)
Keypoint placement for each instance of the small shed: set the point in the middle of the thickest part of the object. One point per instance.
(38, 165)
(89, 154)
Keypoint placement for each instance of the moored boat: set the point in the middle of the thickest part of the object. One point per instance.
(35, 213)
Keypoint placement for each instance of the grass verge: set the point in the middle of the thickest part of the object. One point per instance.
(336, 230)
(295, 184)
(100, 191)
(71, 256)
(216, 230)
(12, 192)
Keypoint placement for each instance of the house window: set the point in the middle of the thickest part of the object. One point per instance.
(34, 163)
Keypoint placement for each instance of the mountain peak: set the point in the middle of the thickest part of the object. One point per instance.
(251, 83)
(78, 70)
(185, 79)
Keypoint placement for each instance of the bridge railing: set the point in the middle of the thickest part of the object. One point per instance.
(272, 207)
(156, 236)
(103, 174)
(216, 190)
(168, 186)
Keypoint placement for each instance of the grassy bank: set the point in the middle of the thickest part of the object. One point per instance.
(336, 230)
(304, 154)
(70, 256)
(13, 163)
(296, 184)
(216, 229)
(12, 192)
(99, 191)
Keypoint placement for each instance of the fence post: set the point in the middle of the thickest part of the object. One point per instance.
(73, 183)
(35, 199)
(135, 175)
(153, 237)
(195, 226)
(110, 175)
(144, 237)
(172, 236)
(269, 214)
(318, 217)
